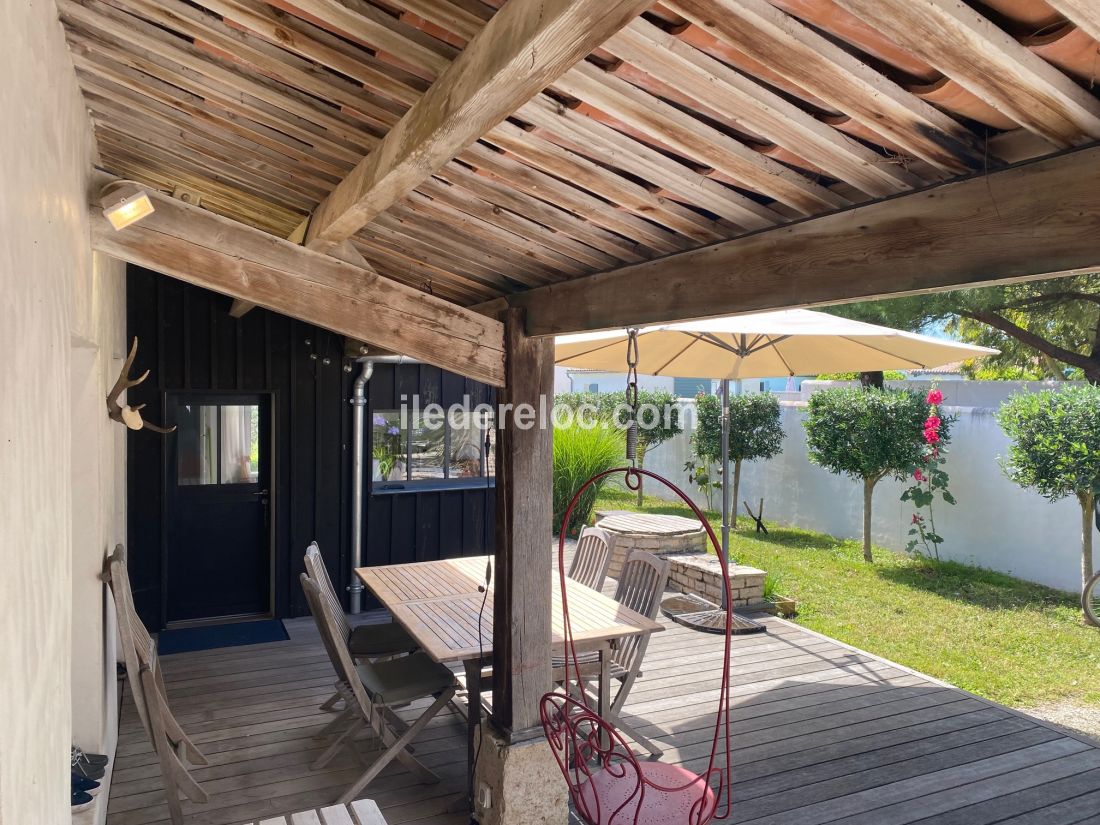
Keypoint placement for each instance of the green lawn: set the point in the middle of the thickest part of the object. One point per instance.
(1008, 640)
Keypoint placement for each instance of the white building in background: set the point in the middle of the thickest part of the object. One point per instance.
(579, 380)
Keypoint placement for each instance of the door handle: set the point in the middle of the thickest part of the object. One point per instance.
(262, 493)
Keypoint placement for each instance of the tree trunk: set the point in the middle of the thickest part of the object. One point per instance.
(1087, 503)
(872, 379)
(868, 492)
(736, 487)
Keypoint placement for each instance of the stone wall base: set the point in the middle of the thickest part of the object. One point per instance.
(701, 574)
(524, 782)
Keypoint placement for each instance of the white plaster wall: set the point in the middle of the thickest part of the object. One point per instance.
(52, 295)
(995, 524)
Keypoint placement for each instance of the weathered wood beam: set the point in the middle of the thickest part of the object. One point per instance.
(524, 47)
(1085, 13)
(1034, 220)
(522, 599)
(202, 248)
(988, 62)
(240, 308)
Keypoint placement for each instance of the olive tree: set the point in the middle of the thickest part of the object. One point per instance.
(869, 434)
(755, 432)
(1056, 450)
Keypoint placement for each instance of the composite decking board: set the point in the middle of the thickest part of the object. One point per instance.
(821, 733)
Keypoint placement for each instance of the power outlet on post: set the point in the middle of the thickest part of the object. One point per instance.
(484, 797)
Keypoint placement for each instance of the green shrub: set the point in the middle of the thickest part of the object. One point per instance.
(755, 432)
(1056, 449)
(869, 434)
(580, 453)
(660, 419)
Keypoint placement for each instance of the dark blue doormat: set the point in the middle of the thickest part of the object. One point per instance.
(232, 634)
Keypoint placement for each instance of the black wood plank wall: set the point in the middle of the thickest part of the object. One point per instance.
(189, 342)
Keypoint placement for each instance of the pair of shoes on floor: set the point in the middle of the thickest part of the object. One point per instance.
(88, 765)
(83, 792)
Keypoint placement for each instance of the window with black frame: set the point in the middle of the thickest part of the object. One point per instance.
(420, 446)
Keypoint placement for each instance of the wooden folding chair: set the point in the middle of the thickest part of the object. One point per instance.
(372, 690)
(640, 587)
(371, 641)
(592, 557)
(173, 747)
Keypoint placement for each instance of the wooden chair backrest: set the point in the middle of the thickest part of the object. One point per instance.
(592, 557)
(641, 586)
(315, 566)
(336, 643)
(138, 647)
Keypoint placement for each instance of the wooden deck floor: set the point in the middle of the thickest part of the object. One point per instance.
(823, 733)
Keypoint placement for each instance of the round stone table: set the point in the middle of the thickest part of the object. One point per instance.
(653, 533)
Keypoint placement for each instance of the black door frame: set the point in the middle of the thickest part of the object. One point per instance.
(168, 466)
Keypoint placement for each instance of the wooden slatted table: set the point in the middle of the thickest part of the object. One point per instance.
(359, 812)
(438, 603)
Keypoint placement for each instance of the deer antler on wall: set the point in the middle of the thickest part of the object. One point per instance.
(124, 413)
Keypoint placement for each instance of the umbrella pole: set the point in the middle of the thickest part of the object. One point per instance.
(725, 471)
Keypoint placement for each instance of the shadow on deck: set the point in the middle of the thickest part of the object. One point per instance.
(822, 733)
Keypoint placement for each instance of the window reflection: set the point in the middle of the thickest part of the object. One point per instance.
(240, 434)
(198, 450)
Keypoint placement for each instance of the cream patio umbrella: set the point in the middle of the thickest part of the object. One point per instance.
(764, 345)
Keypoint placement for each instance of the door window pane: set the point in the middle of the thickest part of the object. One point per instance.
(198, 445)
(240, 434)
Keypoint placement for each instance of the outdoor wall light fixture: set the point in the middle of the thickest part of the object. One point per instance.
(124, 203)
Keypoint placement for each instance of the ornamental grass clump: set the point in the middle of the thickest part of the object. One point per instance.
(869, 434)
(1056, 450)
(581, 452)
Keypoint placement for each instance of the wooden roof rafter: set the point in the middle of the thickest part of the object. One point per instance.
(693, 123)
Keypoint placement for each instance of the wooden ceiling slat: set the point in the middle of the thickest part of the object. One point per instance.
(465, 200)
(691, 71)
(540, 185)
(217, 197)
(523, 47)
(220, 157)
(990, 63)
(128, 29)
(183, 108)
(467, 238)
(808, 59)
(581, 172)
(615, 149)
(496, 191)
(694, 139)
(476, 227)
(1085, 13)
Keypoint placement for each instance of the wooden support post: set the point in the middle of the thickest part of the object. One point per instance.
(522, 582)
(515, 782)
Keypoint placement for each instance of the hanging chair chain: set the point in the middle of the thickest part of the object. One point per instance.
(632, 395)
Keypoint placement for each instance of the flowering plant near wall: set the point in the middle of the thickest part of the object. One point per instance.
(387, 445)
(929, 479)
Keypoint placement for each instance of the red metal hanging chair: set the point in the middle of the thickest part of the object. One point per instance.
(608, 785)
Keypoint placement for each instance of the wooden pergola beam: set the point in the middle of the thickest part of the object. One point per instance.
(525, 46)
(217, 253)
(1034, 220)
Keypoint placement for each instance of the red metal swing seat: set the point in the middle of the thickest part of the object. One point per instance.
(608, 785)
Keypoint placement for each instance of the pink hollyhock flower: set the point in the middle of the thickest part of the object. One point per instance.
(935, 396)
(933, 422)
(918, 475)
(916, 519)
(931, 436)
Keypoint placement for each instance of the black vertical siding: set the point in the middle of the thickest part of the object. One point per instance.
(190, 342)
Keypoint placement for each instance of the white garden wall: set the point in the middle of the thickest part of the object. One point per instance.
(995, 524)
